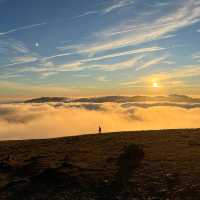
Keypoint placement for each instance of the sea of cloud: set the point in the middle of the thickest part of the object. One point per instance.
(47, 120)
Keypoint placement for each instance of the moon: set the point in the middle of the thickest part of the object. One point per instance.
(37, 44)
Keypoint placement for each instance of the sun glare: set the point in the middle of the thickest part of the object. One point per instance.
(155, 85)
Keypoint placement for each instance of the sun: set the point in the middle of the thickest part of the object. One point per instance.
(155, 85)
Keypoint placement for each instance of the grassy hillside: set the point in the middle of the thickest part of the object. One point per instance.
(127, 165)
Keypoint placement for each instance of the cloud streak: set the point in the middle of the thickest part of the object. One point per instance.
(47, 68)
(22, 28)
(166, 76)
(21, 60)
(88, 62)
(117, 4)
(127, 34)
(129, 63)
(152, 62)
(108, 56)
(196, 56)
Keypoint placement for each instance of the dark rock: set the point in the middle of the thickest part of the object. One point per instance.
(5, 166)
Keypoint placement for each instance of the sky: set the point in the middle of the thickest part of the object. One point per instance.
(99, 47)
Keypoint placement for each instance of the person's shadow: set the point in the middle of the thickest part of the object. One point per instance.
(128, 161)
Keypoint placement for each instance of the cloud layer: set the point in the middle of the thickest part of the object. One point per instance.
(22, 121)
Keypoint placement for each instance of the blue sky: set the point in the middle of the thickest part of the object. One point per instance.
(99, 47)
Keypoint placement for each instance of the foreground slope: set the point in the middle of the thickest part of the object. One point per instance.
(142, 165)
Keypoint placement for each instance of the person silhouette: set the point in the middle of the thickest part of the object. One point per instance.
(99, 129)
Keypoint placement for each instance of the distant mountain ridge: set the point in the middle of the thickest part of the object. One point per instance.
(48, 99)
(118, 99)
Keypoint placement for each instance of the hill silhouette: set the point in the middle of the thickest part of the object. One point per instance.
(118, 99)
(162, 164)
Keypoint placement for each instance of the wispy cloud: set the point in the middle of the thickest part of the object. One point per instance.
(160, 4)
(113, 5)
(102, 79)
(167, 76)
(82, 64)
(8, 46)
(138, 32)
(74, 66)
(48, 73)
(22, 28)
(85, 14)
(58, 55)
(47, 68)
(117, 4)
(196, 56)
(82, 75)
(152, 62)
(125, 53)
(107, 56)
(21, 60)
(16, 53)
(129, 63)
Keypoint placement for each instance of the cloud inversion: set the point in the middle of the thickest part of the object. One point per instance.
(22, 121)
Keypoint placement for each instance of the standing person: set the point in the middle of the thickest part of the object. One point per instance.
(99, 129)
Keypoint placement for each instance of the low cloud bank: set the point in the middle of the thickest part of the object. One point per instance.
(24, 121)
